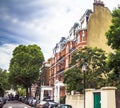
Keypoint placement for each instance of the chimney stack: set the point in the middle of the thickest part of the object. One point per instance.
(98, 2)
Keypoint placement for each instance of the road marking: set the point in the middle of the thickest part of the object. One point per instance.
(11, 107)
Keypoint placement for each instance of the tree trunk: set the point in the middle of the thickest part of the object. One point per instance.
(27, 94)
(30, 91)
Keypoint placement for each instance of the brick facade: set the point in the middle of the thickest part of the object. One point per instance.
(80, 35)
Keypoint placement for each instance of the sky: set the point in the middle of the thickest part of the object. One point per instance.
(41, 22)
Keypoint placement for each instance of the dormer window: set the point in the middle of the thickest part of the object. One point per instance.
(84, 19)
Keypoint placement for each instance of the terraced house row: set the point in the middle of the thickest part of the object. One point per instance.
(89, 31)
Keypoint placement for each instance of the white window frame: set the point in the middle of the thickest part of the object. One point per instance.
(67, 62)
(71, 45)
(78, 39)
(67, 49)
(83, 36)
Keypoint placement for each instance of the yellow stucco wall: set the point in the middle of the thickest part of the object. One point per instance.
(98, 24)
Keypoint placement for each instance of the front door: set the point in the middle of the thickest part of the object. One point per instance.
(97, 99)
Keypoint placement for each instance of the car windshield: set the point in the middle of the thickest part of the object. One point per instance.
(64, 106)
(52, 103)
(43, 102)
(38, 101)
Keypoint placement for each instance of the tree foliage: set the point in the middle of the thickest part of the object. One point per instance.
(25, 65)
(73, 78)
(113, 36)
(114, 65)
(4, 84)
(96, 70)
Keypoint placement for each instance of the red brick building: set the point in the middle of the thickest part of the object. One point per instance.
(77, 39)
(62, 54)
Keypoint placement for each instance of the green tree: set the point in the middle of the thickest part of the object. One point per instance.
(113, 36)
(25, 65)
(4, 84)
(21, 91)
(96, 70)
(114, 65)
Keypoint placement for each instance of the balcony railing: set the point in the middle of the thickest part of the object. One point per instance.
(60, 58)
(72, 49)
(53, 64)
(60, 70)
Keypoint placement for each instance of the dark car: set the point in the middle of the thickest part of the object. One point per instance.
(2, 102)
(46, 104)
(52, 104)
(33, 102)
(64, 106)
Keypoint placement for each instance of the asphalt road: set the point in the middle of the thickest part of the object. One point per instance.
(16, 104)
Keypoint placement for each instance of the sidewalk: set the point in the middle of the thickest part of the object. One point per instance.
(16, 104)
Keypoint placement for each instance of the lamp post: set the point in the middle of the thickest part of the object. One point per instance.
(84, 70)
(40, 84)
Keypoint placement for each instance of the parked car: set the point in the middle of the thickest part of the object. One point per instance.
(40, 104)
(2, 102)
(52, 104)
(29, 100)
(46, 104)
(63, 106)
(33, 102)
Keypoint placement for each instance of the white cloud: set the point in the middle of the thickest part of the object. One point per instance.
(5, 55)
(111, 4)
(45, 24)
(15, 20)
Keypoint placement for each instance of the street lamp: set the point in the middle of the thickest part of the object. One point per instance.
(40, 84)
(84, 70)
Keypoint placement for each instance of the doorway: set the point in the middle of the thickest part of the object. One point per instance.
(97, 100)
